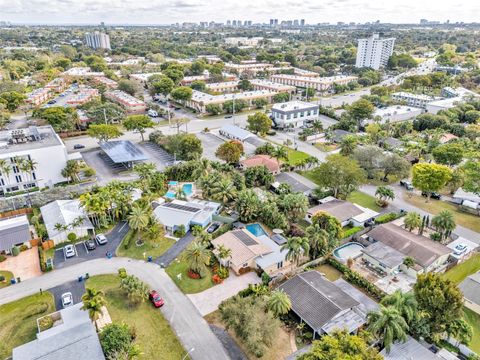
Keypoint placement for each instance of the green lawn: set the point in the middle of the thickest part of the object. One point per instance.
(325, 147)
(458, 273)
(148, 248)
(186, 284)
(364, 200)
(330, 272)
(435, 206)
(154, 335)
(8, 275)
(18, 320)
(474, 320)
(295, 157)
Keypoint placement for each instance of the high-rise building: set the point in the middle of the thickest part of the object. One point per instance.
(229, 22)
(295, 22)
(272, 21)
(97, 40)
(234, 23)
(302, 22)
(374, 52)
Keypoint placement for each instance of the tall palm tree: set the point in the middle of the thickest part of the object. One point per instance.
(348, 145)
(296, 247)
(388, 326)
(223, 253)
(224, 191)
(138, 219)
(93, 301)
(71, 170)
(405, 303)
(444, 223)
(60, 227)
(197, 257)
(412, 221)
(247, 205)
(5, 170)
(279, 303)
(280, 153)
(320, 241)
(384, 194)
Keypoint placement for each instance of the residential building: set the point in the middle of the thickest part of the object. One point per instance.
(81, 72)
(41, 145)
(453, 98)
(132, 105)
(317, 83)
(235, 133)
(412, 349)
(98, 40)
(108, 83)
(72, 336)
(83, 95)
(470, 288)
(172, 215)
(391, 244)
(223, 87)
(303, 72)
(345, 211)
(339, 134)
(416, 100)
(143, 77)
(374, 52)
(294, 114)
(297, 182)
(466, 198)
(200, 100)
(322, 305)
(38, 96)
(248, 68)
(243, 41)
(269, 162)
(68, 214)
(396, 113)
(260, 84)
(14, 231)
(57, 85)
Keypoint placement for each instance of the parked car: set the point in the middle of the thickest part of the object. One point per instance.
(101, 239)
(78, 146)
(69, 251)
(67, 299)
(434, 195)
(459, 249)
(406, 184)
(213, 227)
(51, 102)
(90, 245)
(152, 113)
(156, 299)
(228, 116)
(177, 108)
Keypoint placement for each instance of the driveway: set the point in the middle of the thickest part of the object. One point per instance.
(191, 329)
(24, 266)
(208, 301)
(76, 287)
(210, 143)
(175, 250)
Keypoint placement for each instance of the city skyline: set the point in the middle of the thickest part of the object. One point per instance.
(168, 12)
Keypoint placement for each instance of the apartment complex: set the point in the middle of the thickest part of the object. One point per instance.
(98, 40)
(81, 72)
(39, 144)
(417, 100)
(38, 96)
(223, 87)
(243, 41)
(317, 83)
(57, 85)
(131, 104)
(108, 83)
(293, 113)
(374, 52)
(82, 96)
(259, 84)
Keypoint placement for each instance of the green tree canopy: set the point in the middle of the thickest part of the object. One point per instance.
(104, 132)
(430, 177)
(259, 123)
(138, 123)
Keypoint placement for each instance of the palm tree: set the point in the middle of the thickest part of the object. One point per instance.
(223, 253)
(71, 170)
(138, 219)
(60, 227)
(5, 171)
(384, 194)
(409, 262)
(280, 153)
(296, 247)
(197, 257)
(247, 205)
(137, 290)
(348, 145)
(388, 325)
(412, 221)
(279, 303)
(405, 303)
(320, 241)
(93, 301)
(444, 223)
(224, 191)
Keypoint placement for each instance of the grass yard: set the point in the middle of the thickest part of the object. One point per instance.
(330, 272)
(435, 206)
(18, 320)
(325, 147)
(296, 157)
(154, 335)
(148, 248)
(364, 200)
(474, 320)
(186, 284)
(458, 273)
(7, 275)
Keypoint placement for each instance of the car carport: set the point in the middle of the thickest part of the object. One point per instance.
(123, 152)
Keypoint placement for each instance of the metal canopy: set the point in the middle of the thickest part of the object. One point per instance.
(122, 151)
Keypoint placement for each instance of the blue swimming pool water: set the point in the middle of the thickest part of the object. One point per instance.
(187, 189)
(172, 183)
(170, 194)
(256, 229)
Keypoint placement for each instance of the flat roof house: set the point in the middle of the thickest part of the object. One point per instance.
(235, 133)
(14, 231)
(322, 305)
(392, 244)
(269, 162)
(471, 292)
(293, 113)
(345, 211)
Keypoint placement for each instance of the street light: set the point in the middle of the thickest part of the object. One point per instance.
(188, 352)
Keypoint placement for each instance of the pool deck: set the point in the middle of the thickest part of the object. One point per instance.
(350, 254)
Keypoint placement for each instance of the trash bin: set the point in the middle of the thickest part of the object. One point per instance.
(150, 259)
(80, 278)
(109, 255)
(87, 276)
(13, 281)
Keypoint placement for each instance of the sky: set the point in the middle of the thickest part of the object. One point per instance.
(172, 11)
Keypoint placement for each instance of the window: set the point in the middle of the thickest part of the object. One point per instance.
(18, 178)
(245, 265)
(280, 265)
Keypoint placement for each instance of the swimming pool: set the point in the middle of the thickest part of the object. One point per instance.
(256, 229)
(348, 250)
(187, 189)
(170, 194)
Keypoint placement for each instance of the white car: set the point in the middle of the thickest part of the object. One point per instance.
(69, 251)
(152, 113)
(67, 299)
(101, 239)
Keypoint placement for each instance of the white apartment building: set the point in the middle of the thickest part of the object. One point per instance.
(223, 87)
(39, 144)
(317, 83)
(98, 40)
(200, 100)
(374, 52)
(132, 105)
(417, 100)
(293, 113)
(259, 84)
(244, 41)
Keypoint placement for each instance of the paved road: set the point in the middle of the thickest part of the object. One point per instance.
(192, 330)
(400, 203)
(75, 287)
(175, 250)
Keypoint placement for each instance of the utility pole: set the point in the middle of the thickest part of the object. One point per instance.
(105, 115)
(233, 110)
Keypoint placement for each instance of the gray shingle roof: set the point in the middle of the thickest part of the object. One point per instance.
(297, 182)
(342, 210)
(14, 231)
(384, 254)
(471, 288)
(316, 300)
(408, 350)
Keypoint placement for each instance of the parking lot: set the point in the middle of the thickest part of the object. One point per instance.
(157, 155)
(105, 168)
(61, 100)
(77, 288)
(114, 238)
(210, 143)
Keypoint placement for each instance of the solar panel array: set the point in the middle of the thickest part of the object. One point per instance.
(279, 239)
(122, 151)
(181, 207)
(244, 238)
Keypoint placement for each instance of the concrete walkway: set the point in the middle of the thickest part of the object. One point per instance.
(191, 329)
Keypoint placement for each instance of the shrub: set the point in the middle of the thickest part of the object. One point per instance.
(265, 279)
(2, 258)
(72, 237)
(116, 337)
(45, 323)
(23, 247)
(193, 275)
(436, 236)
(122, 273)
(217, 279)
(128, 239)
(89, 172)
(223, 272)
(385, 218)
(349, 232)
(2, 278)
(15, 251)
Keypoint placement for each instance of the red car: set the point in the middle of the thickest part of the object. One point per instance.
(156, 299)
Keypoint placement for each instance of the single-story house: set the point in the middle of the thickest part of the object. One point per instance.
(471, 292)
(345, 211)
(14, 231)
(269, 162)
(234, 132)
(466, 198)
(412, 349)
(322, 305)
(462, 248)
(391, 244)
(73, 337)
(297, 182)
(447, 137)
(338, 135)
(187, 213)
(66, 213)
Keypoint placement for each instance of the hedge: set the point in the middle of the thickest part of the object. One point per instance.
(357, 279)
(385, 218)
(349, 232)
